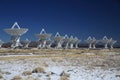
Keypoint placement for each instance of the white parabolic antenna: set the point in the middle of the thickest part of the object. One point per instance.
(43, 38)
(58, 38)
(1, 43)
(66, 39)
(43, 35)
(72, 40)
(15, 31)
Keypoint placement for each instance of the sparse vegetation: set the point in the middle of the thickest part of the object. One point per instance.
(1, 76)
(48, 79)
(36, 79)
(45, 64)
(117, 75)
(17, 78)
(31, 78)
(8, 73)
(64, 78)
(0, 71)
(38, 70)
(25, 73)
(64, 74)
(43, 60)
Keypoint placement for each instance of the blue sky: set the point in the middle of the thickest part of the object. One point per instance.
(81, 18)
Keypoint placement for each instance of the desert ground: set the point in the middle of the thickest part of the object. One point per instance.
(59, 64)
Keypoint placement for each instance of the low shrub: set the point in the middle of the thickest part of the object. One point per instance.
(31, 78)
(64, 78)
(1, 76)
(64, 74)
(38, 70)
(17, 78)
(25, 73)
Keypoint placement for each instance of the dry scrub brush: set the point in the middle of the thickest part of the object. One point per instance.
(17, 78)
(38, 70)
(64, 76)
(31, 78)
(25, 73)
(1, 76)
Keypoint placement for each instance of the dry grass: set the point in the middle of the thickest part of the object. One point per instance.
(64, 74)
(64, 78)
(77, 58)
(36, 79)
(31, 78)
(0, 71)
(48, 78)
(41, 53)
(17, 78)
(25, 73)
(1, 76)
(60, 59)
(53, 51)
(45, 64)
(14, 51)
(38, 70)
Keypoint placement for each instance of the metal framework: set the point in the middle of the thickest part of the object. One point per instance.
(112, 42)
(77, 41)
(92, 42)
(1, 43)
(48, 43)
(105, 41)
(71, 42)
(44, 39)
(26, 43)
(89, 41)
(58, 40)
(66, 41)
(15, 31)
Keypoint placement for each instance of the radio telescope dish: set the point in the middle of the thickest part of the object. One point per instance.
(112, 42)
(1, 43)
(71, 42)
(92, 42)
(58, 40)
(57, 37)
(15, 31)
(66, 40)
(26, 42)
(89, 41)
(105, 41)
(77, 41)
(48, 43)
(43, 37)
